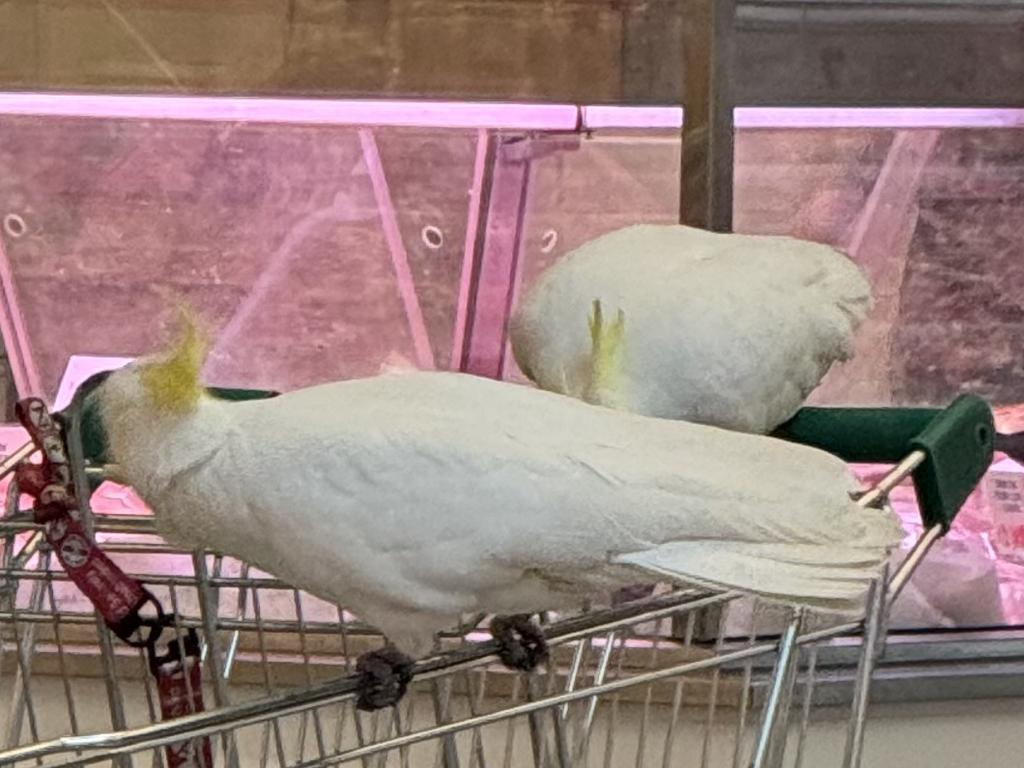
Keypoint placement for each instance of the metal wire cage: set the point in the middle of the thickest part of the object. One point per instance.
(678, 677)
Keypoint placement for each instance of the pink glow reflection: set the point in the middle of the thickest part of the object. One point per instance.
(487, 115)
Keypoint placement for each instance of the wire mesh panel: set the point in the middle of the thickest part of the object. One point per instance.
(681, 677)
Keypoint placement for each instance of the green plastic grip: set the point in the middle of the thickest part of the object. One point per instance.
(859, 435)
(958, 443)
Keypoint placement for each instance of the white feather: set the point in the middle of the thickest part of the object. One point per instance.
(722, 329)
(415, 498)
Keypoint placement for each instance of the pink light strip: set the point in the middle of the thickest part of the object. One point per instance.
(485, 115)
(642, 118)
(434, 114)
(881, 117)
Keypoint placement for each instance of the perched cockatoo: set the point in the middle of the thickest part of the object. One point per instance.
(415, 498)
(722, 329)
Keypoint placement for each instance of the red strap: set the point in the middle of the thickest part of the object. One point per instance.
(180, 686)
(116, 596)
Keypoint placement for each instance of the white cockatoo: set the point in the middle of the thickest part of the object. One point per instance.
(729, 330)
(417, 497)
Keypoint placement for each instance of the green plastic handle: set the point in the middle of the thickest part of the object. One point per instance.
(958, 443)
(859, 435)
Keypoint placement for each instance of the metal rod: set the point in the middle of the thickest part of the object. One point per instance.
(10, 463)
(912, 560)
(343, 689)
(768, 753)
(15, 335)
(483, 166)
(896, 475)
(865, 670)
(706, 172)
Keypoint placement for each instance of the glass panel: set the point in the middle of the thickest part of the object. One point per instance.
(313, 252)
(318, 252)
(604, 181)
(935, 216)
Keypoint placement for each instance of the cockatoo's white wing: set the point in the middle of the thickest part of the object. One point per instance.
(723, 329)
(435, 494)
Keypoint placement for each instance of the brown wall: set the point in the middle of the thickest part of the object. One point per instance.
(560, 50)
(529, 49)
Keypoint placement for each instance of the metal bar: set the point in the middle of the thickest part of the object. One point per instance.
(896, 475)
(15, 336)
(805, 710)
(862, 693)
(706, 176)
(709, 722)
(209, 609)
(645, 678)
(600, 674)
(11, 462)
(483, 165)
(771, 738)
(441, 692)
(745, 696)
(318, 731)
(65, 673)
(247, 713)
(76, 461)
(913, 559)
(499, 258)
(399, 256)
(677, 698)
(21, 692)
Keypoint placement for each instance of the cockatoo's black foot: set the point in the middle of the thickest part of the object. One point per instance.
(384, 675)
(635, 592)
(521, 643)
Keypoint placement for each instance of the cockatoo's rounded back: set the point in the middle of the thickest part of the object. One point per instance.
(729, 330)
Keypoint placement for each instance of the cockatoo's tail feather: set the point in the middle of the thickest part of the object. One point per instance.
(606, 347)
(172, 381)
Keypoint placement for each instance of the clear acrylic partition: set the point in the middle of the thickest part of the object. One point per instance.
(931, 204)
(328, 240)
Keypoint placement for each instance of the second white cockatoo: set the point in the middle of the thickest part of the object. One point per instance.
(415, 498)
(728, 330)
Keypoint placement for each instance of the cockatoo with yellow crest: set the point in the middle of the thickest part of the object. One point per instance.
(416, 498)
(729, 330)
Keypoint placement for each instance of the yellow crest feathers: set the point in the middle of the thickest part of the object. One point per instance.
(172, 382)
(606, 344)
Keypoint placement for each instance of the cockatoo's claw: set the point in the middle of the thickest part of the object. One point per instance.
(384, 675)
(631, 593)
(521, 643)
